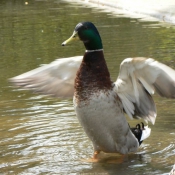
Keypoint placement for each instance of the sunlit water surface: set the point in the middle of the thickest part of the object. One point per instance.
(40, 135)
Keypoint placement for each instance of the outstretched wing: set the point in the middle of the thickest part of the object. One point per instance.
(172, 171)
(55, 79)
(137, 81)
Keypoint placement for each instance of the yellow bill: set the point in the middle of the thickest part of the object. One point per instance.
(74, 37)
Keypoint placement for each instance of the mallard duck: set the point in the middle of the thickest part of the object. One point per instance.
(99, 103)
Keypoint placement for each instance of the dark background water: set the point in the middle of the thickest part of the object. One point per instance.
(40, 135)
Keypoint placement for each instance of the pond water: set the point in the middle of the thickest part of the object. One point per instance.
(41, 135)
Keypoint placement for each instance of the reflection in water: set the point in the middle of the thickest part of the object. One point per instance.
(40, 135)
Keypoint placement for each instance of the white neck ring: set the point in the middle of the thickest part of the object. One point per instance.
(97, 50)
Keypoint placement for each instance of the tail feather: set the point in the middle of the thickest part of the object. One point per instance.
(141, 132)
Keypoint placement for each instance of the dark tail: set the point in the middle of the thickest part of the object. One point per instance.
(137, 131)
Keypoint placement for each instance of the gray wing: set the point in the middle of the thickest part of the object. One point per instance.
(137, 81)
(172, 171)
(55, 79)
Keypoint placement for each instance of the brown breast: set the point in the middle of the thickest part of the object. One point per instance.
(92, 76)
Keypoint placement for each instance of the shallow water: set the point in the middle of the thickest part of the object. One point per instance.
(40, 135)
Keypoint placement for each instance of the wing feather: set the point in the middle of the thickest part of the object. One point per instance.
(138, 79)
(55, 79)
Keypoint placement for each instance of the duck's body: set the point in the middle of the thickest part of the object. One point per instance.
(99, 108)
(103, 120)
(99, 103)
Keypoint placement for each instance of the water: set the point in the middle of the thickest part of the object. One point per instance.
(40, 135)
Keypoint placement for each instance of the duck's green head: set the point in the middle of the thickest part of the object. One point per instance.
(88, 33)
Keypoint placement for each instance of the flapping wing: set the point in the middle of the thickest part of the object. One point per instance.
(55, 79)
(137, 81)
(172, 171)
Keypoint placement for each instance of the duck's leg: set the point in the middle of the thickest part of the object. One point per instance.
(93, 159)
(122, 158)
(96, 154)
